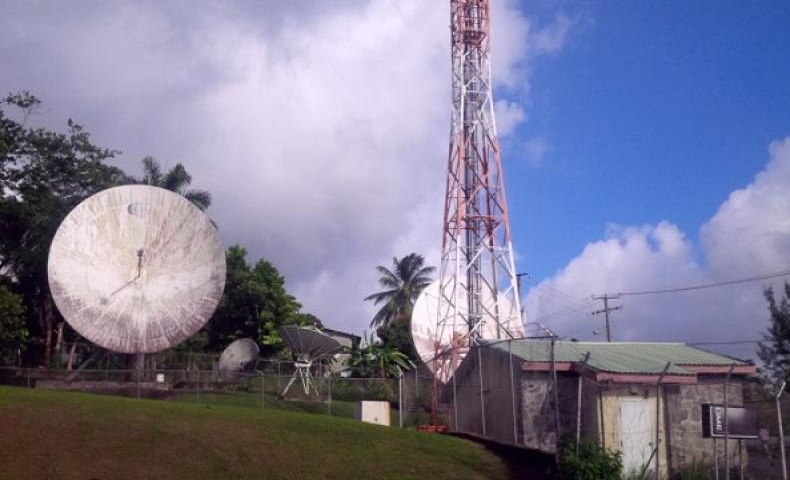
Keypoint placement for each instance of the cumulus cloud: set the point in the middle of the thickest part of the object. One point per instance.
(536, 150)
(508, 116)
(750, 234)
(320, 128)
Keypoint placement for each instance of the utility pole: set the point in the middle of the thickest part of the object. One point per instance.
(605, 310)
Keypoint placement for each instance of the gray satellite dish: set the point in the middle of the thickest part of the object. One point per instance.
(308, 345)
(136, 269)
(239, 356)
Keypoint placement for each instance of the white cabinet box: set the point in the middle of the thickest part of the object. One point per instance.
(373, 412)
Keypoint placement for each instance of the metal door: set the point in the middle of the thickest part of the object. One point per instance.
(637, 433)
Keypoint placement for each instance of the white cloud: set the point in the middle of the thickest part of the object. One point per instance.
(552, 37)
(536, 150)
(508, 116)
(750, 234)
(320, 129)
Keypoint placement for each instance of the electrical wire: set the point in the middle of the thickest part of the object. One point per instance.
(755, 278)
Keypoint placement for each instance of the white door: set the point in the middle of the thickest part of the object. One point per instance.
(637, 433)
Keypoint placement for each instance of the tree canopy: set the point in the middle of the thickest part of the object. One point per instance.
(177, 180)
(254, 304)
(401, 287)
(43, 175)
(774, 351)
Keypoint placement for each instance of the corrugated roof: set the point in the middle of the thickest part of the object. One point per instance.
(620, 357)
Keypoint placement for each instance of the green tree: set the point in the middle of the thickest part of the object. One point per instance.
(13, 331)
(43, 175)
(774, 351)
(401, 287)
(177, 180)
(397, 335)
(254, 304)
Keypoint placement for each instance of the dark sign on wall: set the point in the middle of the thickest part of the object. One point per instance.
(741, 422)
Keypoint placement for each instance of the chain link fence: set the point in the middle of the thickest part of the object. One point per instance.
(534, 405)
(657, 420)
(195, 378)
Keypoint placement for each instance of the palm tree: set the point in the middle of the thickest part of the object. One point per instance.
(401, 287)
(375, 359)
(177, 179)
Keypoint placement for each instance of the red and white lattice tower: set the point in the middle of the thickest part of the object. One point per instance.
(478, 292)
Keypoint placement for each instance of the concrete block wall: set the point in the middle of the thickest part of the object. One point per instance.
(538, 411)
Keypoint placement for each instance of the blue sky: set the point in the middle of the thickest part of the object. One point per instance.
(652, 111)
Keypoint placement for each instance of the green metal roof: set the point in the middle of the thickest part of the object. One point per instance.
(620, 357)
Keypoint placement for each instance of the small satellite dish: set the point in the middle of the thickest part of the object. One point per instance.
(136, 269)
(308, 345)
(443, 345)
(240, 356)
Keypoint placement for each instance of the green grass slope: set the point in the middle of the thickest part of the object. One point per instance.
(64, 435)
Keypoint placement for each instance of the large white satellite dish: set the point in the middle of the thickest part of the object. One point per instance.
(136, 269)
(443, 345)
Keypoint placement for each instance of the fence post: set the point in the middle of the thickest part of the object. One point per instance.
(482, 400)
(727, 426)
(330, 392)
(658, 420)
(781, 430)
(579, 400)
(263, 390)
(400, 398)
(512, 391)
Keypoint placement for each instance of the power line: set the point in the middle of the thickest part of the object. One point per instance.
(582, 305)
(755, 278)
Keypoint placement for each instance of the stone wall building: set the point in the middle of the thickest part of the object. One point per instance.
(531, 393)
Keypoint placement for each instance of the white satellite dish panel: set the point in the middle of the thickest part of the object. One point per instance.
(239, 356)
(443, 345)
(136, 269)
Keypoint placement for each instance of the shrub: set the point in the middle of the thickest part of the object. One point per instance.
(591, 462)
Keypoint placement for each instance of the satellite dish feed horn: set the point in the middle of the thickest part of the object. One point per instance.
(308, 345)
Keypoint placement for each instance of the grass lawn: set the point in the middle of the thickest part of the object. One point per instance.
(62, 435)
(253, 400)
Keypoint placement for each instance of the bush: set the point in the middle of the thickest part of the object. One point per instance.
(590, 463)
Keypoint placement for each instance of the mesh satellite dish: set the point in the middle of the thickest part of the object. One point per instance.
(136, 269)
(240, 356)
(308, 345)
(443, 348)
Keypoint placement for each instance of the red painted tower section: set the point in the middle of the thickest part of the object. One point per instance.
(478, 292)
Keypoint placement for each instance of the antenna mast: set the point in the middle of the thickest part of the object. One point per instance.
(478, 286)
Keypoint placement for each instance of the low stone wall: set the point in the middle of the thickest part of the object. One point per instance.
(684, 419)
